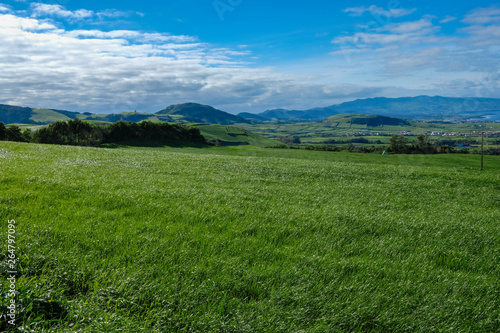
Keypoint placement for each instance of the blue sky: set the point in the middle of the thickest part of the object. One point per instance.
(243, 55)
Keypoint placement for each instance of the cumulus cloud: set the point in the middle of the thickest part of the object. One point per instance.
(13, 23)
(44, 65)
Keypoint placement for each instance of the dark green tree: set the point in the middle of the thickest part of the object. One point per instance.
(43, 135)
(14, 133)
(398, 144)
(27, 135)
(60, 133)
(122, 131)
(3, 131)
(80, 131)
(423, 145)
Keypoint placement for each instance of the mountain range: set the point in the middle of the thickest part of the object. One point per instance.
(411, 108)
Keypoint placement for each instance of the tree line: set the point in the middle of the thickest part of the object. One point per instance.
(78, 132)
(400, 145)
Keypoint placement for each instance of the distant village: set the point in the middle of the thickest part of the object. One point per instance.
(491, 134)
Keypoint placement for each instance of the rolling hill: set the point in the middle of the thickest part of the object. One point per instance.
(183, 113)
(133, 117)
(413, 108)
(233, 136)
(198, 113)
(368, 120)
(10, 114)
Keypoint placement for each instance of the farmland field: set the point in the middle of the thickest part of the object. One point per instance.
(335, 127)
(246, 239)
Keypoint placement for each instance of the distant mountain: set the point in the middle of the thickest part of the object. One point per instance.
(308, 115)
(413, 108)
(198, 113)
(252, 116)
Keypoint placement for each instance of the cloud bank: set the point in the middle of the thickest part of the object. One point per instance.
(43, 63)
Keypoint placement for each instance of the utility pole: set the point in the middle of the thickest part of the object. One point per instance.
(482, 148)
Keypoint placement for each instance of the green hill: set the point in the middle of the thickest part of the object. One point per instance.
(10, 114)
(133, 117)
(232, 136)
(47, 116)
(252, 116)
(368, 120)
(198, 113)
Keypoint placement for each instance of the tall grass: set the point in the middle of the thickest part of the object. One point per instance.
(236, 240)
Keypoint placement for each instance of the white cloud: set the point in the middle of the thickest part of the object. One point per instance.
(42, 10)
(9, 21)
(416, 54)
(406, 33)
(375, 10)
(483, 16)
(58, 11)
(4, 9)
(420, 27)
(483, 36)
(114, 71)
(113, 13)
(131, 35)
(347, 50)
(483, 29)
(103, 34)
(448, 19)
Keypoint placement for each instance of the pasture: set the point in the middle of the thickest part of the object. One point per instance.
(246, 239)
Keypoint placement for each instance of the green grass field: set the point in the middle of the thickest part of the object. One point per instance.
(229, 135)
(245, 239)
